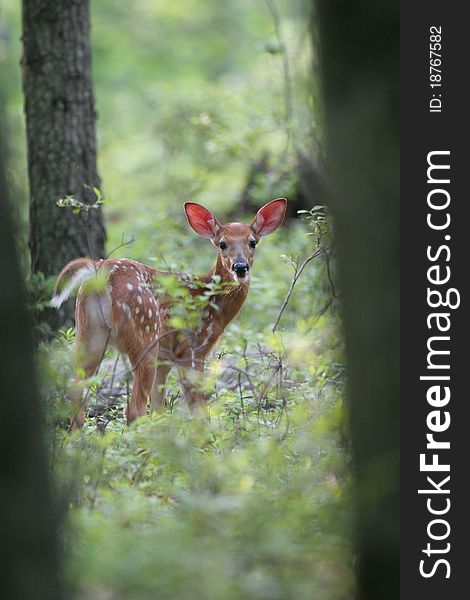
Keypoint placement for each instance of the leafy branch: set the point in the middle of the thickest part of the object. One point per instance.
(297, 273)
(78, 206)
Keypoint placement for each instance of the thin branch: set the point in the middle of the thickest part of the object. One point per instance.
(298, 273)
(121, 245)
(248, 378)
(330, 279)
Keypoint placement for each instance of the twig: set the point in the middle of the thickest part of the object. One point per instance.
(248, 378)
(123, 244)
(330, 279)
(297, 275)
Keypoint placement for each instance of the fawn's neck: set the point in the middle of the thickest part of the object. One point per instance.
(231, 300)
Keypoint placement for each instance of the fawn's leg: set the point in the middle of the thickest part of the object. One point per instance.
(190, 379)
(144, 376)
(91, 342)
(158, 393)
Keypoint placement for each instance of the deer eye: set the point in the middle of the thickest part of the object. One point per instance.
(252, 244)
(223, 246)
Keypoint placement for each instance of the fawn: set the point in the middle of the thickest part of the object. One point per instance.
(128, 315)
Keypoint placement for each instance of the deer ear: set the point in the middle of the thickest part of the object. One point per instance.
(202, 220)
(269, 217)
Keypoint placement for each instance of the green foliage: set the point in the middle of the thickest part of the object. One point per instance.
(78, 206)
(184, 508)
(38, 292)
(253, 503)
(320, 225)
(188, 297)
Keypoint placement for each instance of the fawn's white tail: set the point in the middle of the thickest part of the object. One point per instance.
(72, 277)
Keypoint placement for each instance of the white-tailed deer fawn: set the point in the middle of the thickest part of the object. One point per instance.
(128, 315)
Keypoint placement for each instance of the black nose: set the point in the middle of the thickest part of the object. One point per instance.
(241, 268)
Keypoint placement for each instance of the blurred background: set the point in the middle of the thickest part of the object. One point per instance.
(209, 101)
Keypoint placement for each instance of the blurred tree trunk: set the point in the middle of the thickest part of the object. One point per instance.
(60, 124)
(359, 48)
(28, 524)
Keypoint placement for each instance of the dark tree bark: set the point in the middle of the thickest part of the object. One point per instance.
(60, 124)
(28, 523)
(360, 64)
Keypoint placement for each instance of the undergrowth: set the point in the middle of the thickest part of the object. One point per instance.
(252, 501)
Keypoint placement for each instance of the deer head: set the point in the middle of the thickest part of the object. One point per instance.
(236, 242)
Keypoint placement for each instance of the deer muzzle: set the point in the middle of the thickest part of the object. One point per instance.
(240, 268)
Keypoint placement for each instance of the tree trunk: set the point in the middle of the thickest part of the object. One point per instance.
(360, 64)
(28, 521)
(60, 125)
